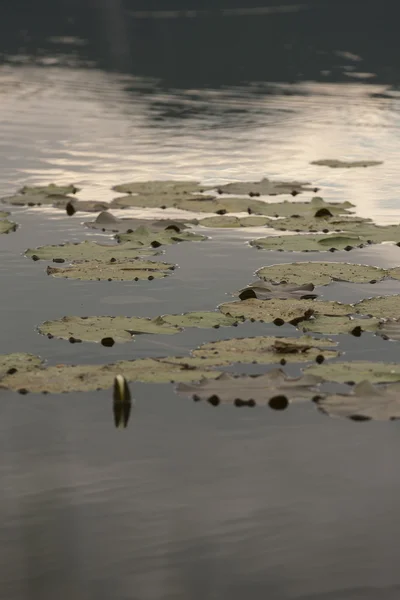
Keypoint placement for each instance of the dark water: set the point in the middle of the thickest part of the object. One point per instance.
(191, 501)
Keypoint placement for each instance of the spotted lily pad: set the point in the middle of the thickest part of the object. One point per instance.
(87, 251)
(81, 378)
(364, 403)
(284, 291)
(158, 187)
(309, 243)
(336, 325)
(108, 222)
(283, 311)
(389, 330)
(346, 164)
(35, 199)
(265, 350)
(142, 236)
(204, 320)
(73, 205)
(275, 389)
(117, 270)
(375, 234)
(386, 307)
(7, 226)
(96, 329)
(18, 361)
(321, 273)
(231, 222)
(265, 187)
(324, 223)
(49, 190)
(357, 371)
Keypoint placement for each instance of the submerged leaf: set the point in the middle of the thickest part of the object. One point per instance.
(108, 222)
(200, 319)
(273, 388)
(88, 251)
(158, 187)
(337, 325)
(96, 329)
(366, 402)
(285, 311)
(321, 273)
(142, 236)
(265, 349)
(309, 243)
(283, 291)
(357, 371)
(113, 270)
(345, 164)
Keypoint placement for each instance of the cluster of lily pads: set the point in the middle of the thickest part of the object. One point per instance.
(282, 294)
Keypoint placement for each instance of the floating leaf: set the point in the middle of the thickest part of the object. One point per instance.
(200, 319)
(81, 378)
(375, 234)
(48, 190)
(389, 330)
(265, 187)
(309, 243)
(4, 214)
(336, 325)
(35, 199)
(321, 273)
(108, 222)
(7, 226)
(87, 251)
(366, 402)
(18, 361)
(265, 350)
(229, 221)
(284, 291)
(273, 388)
(325, 224)
(357, 371)
(142, 236)
(158, 187)
(117, 270)
(82, 205)
(387, 307)
(346, 164)
(96, 329)
(283, 311)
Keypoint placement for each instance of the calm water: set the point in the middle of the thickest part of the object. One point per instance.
(191, 501)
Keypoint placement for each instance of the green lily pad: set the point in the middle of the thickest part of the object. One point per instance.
(375, 234)
(49, 190)
(275, 389)
(284, 311)
(96, 329)
(117, 270)
(204, 320)
(357, 371)
(108, 222)
(366, 402)
(265, 187)
(321, 273)
(382, 307)
(142, 236)
(18, 361)
(7, 226)
(74, 205)
(81, 378)
(336, 325)
(322, 224)
(159, 187)
(88, 251)
(265, 350)
(4, 214)
(308, 242)
(283, 291)
(231, 222)
(35, 199)
(389, 330)
(346, 164)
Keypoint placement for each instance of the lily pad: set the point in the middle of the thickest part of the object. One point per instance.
(231, 222)
(18, 361)
(265, 187)
(4, 214)
(158, 187)
(204, 320)
(321, 273)
(274, 389)
(117, 270)
(142, 236)
(108, 222)
(7, 226)
(375, 234)
(323, 224)
(389, 330)
(88, 251)
(49, 190)
(357, 371)
(81, 378)
(96, 329)
(35, 199)
(284, 291)
(386, 307)
(283, 311)
(74, 205)
(265, 350)
(309, 243)
(336, 325)
(366, 402)
(346, 164)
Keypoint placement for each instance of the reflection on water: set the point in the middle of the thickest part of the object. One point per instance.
(191, 501)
